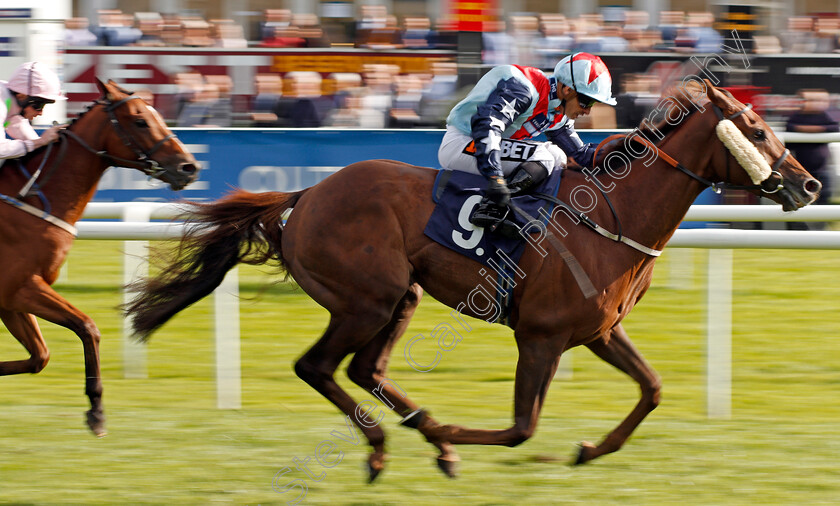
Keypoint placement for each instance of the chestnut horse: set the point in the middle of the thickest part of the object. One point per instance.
(355, 244)
(45, 194)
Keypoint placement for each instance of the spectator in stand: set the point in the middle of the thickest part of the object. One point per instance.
(405, 108)
(497, 44)
(612, 40)
(799, 36)
(287, 36)
(417, 32)
(444, 35)
(827, 29)
(637, 99)
(197, 109)
(221, 110)
(670, 23)
(309, 29)
(525, 35)
(117, 29)
(698, 35)
(306, 107)
(76, 33)
(171, 30)
(269, 90)
(344, 84)
(353, 113)
(151, 26)
(555, 42)
(226, 33)
(189, 85)
(439, 93)
(274, 19)
(379, 82)
(196, 32)
(813, 117)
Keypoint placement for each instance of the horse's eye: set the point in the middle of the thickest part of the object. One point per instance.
(759, 135)
(141, 123)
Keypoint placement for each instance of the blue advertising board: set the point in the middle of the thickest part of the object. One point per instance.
(271, 160)
(259, 160)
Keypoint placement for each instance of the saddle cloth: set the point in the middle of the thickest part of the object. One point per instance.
(457, 193)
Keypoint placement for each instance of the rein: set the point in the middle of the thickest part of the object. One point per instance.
(144, 162)
(715, 186)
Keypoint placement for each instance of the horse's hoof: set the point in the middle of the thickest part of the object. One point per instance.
(585, 453)
(449, 467)
(96, 422)
(376, 463)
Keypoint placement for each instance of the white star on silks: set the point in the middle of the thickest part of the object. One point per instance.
(493, 142)
(496, 122)
(508, 110)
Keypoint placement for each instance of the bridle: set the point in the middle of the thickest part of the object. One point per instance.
(717, 187)
(144, 161)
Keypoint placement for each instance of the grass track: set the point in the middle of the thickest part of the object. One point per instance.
(169, 445)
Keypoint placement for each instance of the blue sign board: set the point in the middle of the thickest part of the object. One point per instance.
(284, 160)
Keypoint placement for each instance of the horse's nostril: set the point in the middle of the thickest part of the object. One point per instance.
(813, 186)
(188, 168)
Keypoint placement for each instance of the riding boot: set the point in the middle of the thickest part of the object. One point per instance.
(493, 209)
(527, 175)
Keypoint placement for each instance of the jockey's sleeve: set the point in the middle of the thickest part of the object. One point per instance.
(571, 144)
(17, 146)
(504, 104)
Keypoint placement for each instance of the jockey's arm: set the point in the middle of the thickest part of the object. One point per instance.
(570, 142)
(509, 100)
(24, 138)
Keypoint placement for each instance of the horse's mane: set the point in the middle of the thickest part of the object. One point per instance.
(689, 96)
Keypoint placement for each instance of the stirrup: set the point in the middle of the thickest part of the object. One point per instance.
(493, 218)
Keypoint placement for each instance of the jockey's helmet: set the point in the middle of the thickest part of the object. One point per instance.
(36, 80)
(588, 75)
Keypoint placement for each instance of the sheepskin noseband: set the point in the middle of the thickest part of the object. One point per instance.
(743, 150)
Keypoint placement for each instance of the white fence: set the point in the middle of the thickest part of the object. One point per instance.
(136, 229)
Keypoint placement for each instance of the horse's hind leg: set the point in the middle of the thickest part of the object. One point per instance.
(39, 299)
(620, 352)
(24, 327)
(345, 334)
(538, 359)
(369, 369)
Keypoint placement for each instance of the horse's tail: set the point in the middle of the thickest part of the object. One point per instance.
(240, 227)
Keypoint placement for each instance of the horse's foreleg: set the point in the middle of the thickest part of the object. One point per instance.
(535, 369)
(38, 298)
(317, 366)
(369, 369)
(620, 352)
(24, 327)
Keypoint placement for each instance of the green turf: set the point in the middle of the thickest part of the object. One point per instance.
(168, 444)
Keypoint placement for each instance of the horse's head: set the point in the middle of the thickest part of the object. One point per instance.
(142, 138)
(755, 157)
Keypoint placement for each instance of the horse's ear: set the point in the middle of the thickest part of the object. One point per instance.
(102, 88)
(112, 85)
(715, 95)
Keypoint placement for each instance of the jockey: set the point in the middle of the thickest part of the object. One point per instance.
(22, 99)
(487, 132)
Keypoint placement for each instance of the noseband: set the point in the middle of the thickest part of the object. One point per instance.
(718, 186)
(144, 161)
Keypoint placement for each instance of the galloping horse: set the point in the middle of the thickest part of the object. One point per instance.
(355, 243)
(47, 193)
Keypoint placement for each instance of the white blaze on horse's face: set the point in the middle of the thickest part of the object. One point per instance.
(744, 151)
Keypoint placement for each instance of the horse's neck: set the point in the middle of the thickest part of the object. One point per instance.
(652, 200)
(73, 181)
